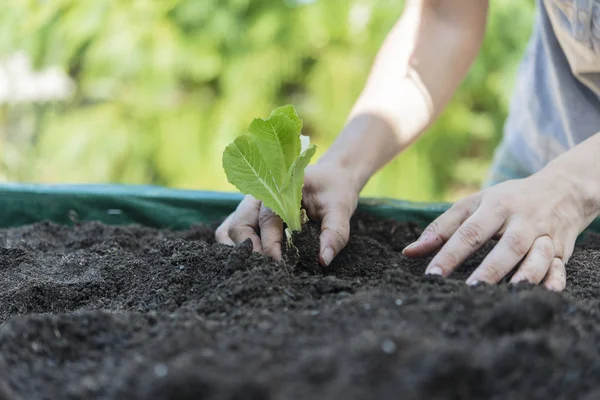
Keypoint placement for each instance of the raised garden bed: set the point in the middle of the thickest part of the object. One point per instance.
(93, 311)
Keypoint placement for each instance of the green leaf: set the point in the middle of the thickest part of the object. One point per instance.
(290, 112)
(247, 170)
(269, 162)
(278, 141)
(295, 176)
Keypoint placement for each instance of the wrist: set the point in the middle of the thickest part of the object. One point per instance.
(354, 172)
(579, 182)
(365, 145)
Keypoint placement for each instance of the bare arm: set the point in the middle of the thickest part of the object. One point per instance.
(419, 67)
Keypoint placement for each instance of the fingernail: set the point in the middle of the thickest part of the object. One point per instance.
(472, 282)
(328, 255)
(434, 271)
(552, 288)
(410, 246)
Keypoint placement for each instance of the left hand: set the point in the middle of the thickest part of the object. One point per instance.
(537, 220)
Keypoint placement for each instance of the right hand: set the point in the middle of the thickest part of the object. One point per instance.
(329, 196)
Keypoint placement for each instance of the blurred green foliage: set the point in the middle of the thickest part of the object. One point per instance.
(163, 86)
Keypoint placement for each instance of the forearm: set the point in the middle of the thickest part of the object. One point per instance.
(418, 68)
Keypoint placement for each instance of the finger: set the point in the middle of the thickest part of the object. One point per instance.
(335, 231)
(568, 249)
(564, 246)
(510, 250)
(467, 239)
(244, 223)
(537, 263)
(441, 229)
(271, 232)
(221, 235)
(556, 279)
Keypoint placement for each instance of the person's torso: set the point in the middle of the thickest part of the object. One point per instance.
(556, 103)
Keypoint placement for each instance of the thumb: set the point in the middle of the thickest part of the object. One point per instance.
(271, 232)
(335, 231)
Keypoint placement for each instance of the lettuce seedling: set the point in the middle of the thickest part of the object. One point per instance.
(268, 163)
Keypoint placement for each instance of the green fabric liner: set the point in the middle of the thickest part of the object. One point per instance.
(22, 204)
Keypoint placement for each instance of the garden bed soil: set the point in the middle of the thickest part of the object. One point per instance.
(103, 312)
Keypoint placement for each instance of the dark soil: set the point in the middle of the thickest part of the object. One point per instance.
(100, 312)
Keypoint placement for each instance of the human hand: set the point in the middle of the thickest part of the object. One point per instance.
(537, 220)
(329, 196)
